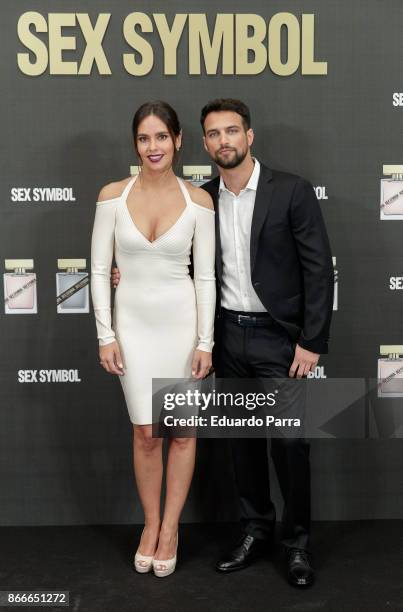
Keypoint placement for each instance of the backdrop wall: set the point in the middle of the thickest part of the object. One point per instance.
(324, 92)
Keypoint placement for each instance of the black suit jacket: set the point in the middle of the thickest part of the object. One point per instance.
(291, 263)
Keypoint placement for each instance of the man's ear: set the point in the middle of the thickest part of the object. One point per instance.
(250, 136)
(204, 143)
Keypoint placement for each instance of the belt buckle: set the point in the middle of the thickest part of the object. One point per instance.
(246, 320)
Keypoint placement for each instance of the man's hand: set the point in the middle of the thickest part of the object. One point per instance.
(115, 277)
(304, 362)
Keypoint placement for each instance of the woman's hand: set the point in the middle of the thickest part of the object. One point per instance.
(110, 358)
(115, 277)
(201, 364)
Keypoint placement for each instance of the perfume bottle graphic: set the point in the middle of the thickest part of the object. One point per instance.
(198, 174)
(72, 286)
(20, 287)
(392, 193)
(336, 286)
(390, 371)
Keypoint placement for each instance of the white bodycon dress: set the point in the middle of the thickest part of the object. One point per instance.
(160, 314)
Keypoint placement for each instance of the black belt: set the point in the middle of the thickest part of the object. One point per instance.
(245, 319)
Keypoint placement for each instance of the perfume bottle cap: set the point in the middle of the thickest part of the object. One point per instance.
(201, 171)
(392, 169)
(13, 264)
(134, 170)
(63, 264)
(391, 349)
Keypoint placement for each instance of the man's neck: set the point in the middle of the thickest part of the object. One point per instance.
(236, 179)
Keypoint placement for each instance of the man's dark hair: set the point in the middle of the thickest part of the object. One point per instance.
(226, 104)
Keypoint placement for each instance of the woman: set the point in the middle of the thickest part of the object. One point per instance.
(163, 321)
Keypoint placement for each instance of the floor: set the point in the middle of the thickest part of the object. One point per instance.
(359, 566)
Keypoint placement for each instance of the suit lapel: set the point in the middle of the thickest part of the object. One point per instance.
(264, 194)
(213, 189)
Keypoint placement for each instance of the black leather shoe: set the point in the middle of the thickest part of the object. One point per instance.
(299, 570)
(247, 550)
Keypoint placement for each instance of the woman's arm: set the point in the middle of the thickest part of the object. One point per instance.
(204, 276)
(102, 245)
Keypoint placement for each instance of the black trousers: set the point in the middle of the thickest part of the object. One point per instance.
(267, 352)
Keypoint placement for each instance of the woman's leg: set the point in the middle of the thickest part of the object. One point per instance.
(147, 458)
(180, 467)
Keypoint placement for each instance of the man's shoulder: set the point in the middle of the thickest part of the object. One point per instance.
(280, 176)
(288, 183)
(212, 186)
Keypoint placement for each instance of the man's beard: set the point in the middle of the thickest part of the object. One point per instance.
(233, 162)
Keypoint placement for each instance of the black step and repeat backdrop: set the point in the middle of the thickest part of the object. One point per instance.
(324, 82)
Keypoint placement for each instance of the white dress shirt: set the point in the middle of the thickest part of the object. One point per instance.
(235, 230)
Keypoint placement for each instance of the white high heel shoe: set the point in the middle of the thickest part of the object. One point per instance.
(165, 567)
(143, 563)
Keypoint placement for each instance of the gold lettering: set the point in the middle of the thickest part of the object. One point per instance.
(59, 43)
(199, 38)
(293, 44)
(93, 38)
(138, 43)
(241, 44)
(170, 38)
(33, 43)
(253, 43)
(309, 66)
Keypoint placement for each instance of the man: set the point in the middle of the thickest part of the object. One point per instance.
(274, 304)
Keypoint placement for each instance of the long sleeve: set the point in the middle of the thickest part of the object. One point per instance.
(317, 268)
(204, 276)
(102, 245)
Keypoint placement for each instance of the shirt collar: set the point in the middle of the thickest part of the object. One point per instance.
(253, 179)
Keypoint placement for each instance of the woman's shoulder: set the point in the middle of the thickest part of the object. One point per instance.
(113, 191)
(199, 196)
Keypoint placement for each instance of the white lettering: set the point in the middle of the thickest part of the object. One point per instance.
(48, 376)
(396, 283)
(320, 191)
(397, 99)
